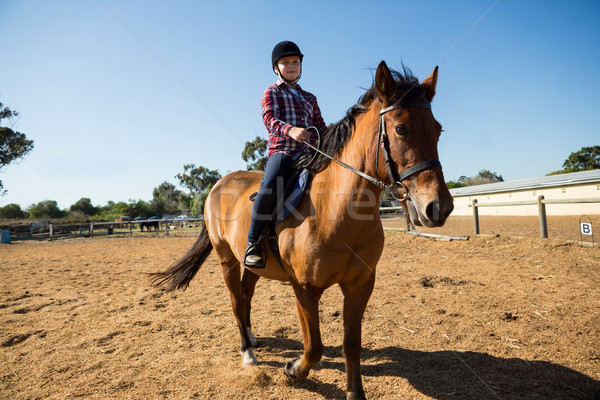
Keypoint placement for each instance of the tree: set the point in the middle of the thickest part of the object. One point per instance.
(83, 207)
(487, 176)
(197, 179)
(167, 199)
(45, 209)
(12, 211)
(586, 159)
(112, 210)
(484, 176)
(13, 145)
(139, 208)
(455, 184)
(255, 154)
(198, 202)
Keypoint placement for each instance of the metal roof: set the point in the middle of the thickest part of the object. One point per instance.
(574, 178)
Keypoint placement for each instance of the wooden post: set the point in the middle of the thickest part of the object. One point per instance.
(542, 215)
(51, 230)
(475, 217)
(91, 229)
(130, 229)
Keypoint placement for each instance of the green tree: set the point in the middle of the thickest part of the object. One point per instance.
(255, 154)
(13, 145)
(198, 202)
(484, 176)
(83, 208)
(586, 159)
(139, 208)
(45, 209)
(455, 184)
(12, 211)
(489, 176)
(111, 211)
(167, 199)
(197, 179)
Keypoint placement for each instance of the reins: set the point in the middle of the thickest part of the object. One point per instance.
(383, 141)
(343, 164)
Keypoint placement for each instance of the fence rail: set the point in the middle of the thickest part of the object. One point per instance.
(540, 202)
(49, 230)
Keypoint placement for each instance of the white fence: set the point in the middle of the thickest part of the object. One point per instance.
(540, 202)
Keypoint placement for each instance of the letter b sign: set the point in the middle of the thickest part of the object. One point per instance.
(586, 228)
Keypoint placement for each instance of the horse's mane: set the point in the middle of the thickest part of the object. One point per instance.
(407, 90)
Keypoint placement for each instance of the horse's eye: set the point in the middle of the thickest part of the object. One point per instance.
(401, 130)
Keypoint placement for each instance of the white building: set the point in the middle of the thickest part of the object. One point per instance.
(563, 187)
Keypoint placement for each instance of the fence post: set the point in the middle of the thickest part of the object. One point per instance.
(542, 215)
(475, 217)
(51, 230)
(91, 229)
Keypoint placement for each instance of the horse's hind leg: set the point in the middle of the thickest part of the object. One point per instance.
(231, 275)
(249, 280)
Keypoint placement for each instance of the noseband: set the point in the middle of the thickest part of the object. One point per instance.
(383, 141)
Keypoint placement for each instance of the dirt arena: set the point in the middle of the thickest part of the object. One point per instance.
(493, 317)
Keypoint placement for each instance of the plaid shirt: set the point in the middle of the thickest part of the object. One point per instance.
(282, 109)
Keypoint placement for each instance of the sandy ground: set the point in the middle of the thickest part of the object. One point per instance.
(488, 318)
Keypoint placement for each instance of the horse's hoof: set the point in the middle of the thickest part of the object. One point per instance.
(291, 369)
(248, 358)
(288, 369)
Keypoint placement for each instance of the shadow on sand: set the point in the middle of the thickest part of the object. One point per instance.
(448, 374)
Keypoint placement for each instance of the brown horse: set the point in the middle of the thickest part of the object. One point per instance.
(335, 234)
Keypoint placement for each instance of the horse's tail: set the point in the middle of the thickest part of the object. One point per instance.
(182, 271)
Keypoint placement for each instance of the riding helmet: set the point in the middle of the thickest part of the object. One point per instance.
(285, 49)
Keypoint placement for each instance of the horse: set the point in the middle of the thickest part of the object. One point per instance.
(335, 235)
(38, 226)
(148, 225)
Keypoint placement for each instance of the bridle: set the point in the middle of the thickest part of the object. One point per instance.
(383, 141)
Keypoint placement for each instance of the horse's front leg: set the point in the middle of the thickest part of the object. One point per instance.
(356, 297)
(249, 280)
(307, 302)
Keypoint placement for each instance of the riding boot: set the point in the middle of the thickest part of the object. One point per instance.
(254, 256)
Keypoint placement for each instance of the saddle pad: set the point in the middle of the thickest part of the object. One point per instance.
(296, 194)
(293, 198)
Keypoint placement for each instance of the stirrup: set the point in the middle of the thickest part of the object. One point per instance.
(252, 259)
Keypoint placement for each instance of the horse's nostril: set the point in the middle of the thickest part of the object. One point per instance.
(436, 213)
(432, 211)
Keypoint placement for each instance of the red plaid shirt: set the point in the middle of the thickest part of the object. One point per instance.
(282, 109)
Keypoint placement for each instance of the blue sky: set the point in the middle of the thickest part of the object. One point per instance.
(120, 95)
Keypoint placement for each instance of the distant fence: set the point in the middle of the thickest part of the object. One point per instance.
(541, 203)
(50, 231)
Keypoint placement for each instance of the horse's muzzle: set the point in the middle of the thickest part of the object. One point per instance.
(435, 213)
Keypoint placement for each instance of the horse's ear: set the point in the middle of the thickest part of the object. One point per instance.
(429, 84)
(384, 81)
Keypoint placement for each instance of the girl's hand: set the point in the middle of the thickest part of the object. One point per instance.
(299, 134)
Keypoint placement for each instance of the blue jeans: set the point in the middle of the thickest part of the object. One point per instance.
(277, 173)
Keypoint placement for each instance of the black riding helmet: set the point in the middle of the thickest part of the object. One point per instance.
(285, 49)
